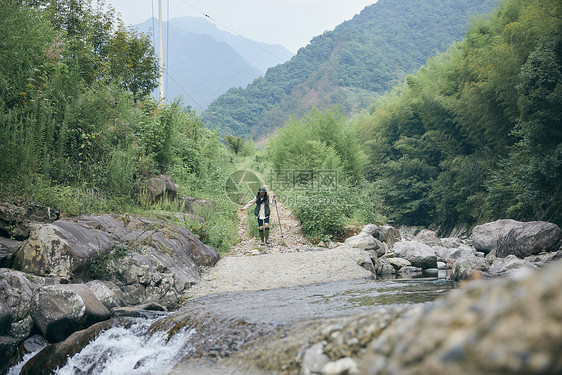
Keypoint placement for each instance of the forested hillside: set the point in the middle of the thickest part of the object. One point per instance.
(79, 131)
(349, 66)
(476, 134)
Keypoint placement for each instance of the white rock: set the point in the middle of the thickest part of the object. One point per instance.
(344, 366)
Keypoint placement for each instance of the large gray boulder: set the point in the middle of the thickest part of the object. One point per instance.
(511, 263)
(384, 268)
(453, 254)
(156, 189)
(529, 238)
(398, 263)
(418, 254)
(107, 293)
(428, 237)
(148, 260)
(6, 318)
(61, 249)
(502, 326)
(365, 241)
(485, 237)
(465, 267)
(56, 355)
(16, 291)
(60, 310)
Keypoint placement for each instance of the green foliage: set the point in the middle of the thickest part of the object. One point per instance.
(101, 268)
(324, 215)
(76, 130)
(321, 140)
(349, 66)
(476, 133)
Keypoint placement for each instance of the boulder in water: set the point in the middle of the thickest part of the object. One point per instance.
(529, 238)
(465, 267)
(418, 254)
(398, 263)
(485, 237)
(365, 241)
(60, 310)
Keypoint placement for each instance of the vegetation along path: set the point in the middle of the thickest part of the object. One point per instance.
(287, 261)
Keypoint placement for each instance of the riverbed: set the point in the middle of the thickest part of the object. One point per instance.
(217, 326)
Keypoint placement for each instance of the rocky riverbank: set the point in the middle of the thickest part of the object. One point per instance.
(69, 274)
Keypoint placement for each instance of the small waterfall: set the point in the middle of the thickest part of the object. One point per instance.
(130, 350)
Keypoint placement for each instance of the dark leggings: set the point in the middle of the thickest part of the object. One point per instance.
(262, 222)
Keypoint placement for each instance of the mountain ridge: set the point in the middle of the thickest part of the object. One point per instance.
(349, 66)
(200, 68)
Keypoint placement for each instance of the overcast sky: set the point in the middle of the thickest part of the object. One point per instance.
(291, 23)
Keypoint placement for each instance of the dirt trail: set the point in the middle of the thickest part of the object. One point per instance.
(293, 240)
(287, 261)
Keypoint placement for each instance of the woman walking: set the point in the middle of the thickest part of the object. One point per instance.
(261, 211)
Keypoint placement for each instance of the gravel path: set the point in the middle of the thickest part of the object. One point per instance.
(288, 261)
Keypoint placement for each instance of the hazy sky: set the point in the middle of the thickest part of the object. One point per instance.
(291, 23)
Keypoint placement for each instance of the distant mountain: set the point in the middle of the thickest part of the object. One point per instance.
(260, 55)
(349, 66)
(200, 67)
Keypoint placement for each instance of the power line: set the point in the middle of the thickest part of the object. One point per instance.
(233, 32)
(186, 93)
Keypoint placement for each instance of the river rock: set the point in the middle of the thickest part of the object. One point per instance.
(107, 293)
(384, 268)
(451, 242)
(398, 263)
(428, 237)
(485, 237)
(18, 221)
(511, 263)
(371, 229)
(529, 238)
(8, 349)
(509, 325)
(365, 241)
(410, 269)
(540, 260)
(6, 318)
(452, 254)
(147, 311)
(60, 310)
(418, 254)
(344, 366)
(314, 360)
(389, 235)
(16, 291)
(465, 267)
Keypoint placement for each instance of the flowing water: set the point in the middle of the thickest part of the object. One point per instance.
(224, 323)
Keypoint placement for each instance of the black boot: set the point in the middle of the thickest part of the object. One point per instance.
(267, 236)
(261, 237)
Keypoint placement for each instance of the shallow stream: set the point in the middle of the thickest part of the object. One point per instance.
(219, 325)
